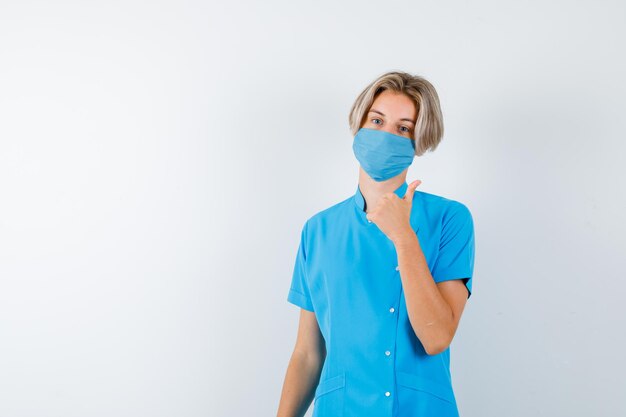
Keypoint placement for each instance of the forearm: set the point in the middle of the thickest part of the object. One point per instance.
(429, 313)
(299, 386)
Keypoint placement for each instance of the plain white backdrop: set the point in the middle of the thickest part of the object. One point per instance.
(158, 159)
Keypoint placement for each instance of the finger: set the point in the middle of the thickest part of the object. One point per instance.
(411, 190)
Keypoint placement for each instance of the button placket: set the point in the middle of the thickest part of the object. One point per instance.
(393, 321)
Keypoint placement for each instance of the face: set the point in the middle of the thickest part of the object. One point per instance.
(392, 112)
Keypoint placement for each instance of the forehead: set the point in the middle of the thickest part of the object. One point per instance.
(394, 104)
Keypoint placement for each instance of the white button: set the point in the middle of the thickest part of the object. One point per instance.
(387, 353)
(398, 268)
(387, 394)
(391, 310)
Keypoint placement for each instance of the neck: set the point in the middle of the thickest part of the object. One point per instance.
(373, 190)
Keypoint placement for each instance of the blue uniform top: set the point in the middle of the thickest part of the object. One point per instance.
(346, 271)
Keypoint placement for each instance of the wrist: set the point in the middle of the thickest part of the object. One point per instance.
(405, 238)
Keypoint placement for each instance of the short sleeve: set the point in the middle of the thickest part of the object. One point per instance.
(299, 293)
(456, 248)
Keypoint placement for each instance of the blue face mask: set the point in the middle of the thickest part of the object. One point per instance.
(381, 154)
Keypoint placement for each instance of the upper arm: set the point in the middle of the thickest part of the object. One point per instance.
(299, 293)
(454, 266)
(455, 259)
(310, 341)
(455, 293)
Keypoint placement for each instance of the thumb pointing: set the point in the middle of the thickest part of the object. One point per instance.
(411, 190)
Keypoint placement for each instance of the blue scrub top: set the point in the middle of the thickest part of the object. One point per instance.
(346, 271)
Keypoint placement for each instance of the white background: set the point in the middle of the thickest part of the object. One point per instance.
(158, 159)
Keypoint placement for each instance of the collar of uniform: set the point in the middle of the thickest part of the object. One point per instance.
(359, 201)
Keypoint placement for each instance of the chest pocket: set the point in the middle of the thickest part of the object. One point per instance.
(329, 397)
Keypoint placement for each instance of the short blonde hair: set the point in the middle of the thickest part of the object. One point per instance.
(429, 126)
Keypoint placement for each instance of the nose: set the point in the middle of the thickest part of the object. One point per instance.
(389, 130)
(385, 128)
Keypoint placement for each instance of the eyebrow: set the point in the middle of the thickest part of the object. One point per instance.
(382, 114)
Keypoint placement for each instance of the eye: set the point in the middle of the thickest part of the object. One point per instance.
(407, 129)
(376, 119)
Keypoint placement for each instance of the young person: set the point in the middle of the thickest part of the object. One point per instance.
(383, 276)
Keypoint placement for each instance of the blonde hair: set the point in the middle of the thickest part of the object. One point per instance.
(429, 126)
